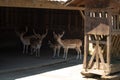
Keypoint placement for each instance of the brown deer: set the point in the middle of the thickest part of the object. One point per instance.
(36, 43)
(69, 44)
(25, 39)
(56, 48)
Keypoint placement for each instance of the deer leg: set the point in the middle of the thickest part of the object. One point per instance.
(26, 48)
(80, 55)
(23, 49)
(31, 51)
(77, 54)
(66, 52)
(58, 51)
(54, 52)
(38, 52)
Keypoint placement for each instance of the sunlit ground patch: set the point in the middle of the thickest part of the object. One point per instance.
(68, 73)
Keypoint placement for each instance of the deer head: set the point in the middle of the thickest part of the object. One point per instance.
(39, 36)
(57, 36)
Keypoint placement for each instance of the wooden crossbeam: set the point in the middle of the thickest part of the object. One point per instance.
(92, 58)
(99, 56)
(100, 42)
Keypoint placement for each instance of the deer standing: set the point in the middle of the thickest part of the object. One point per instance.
(36, 43)
(69, 44)
(25, 40)
(56, 48)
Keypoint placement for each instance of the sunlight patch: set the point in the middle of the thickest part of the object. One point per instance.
(69, 73)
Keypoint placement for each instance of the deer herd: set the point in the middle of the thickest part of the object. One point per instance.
(34, 42)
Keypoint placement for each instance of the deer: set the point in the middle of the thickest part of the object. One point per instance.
(25, 39)
(36, 43)
(56, 48)
(69, 44)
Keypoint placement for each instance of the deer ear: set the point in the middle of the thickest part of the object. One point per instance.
(53, 32)
(34, 32)
(61, 34)
(55, 35)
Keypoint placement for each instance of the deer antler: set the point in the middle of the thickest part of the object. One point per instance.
(34, 32)
(55, 35)
(44, 35)
(61, 34)
(37, 35)
(17, 33)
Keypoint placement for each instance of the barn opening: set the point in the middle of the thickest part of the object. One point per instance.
(15, 18)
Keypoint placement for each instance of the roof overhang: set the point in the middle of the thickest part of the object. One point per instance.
(111, 4)
(36, 4)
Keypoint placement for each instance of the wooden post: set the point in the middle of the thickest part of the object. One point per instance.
(85, 51)
(109, 38)
(86, 44)
(108, 49)
(97, 56)
(82, 14)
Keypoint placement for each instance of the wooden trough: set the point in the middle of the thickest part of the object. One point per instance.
(103, 32)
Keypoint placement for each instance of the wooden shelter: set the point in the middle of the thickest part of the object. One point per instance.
(38, 15)
(102, 29)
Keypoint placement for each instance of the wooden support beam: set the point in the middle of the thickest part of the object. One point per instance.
(108, 49)
(97, 54)
(86, 48)
(92, 58)
(83, 15)
(101, 57)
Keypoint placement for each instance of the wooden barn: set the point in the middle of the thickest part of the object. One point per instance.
(38, 15)
(102, 30)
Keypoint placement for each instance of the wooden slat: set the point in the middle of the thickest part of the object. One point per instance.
(112, 42)
(117, 46)
(116, 43)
